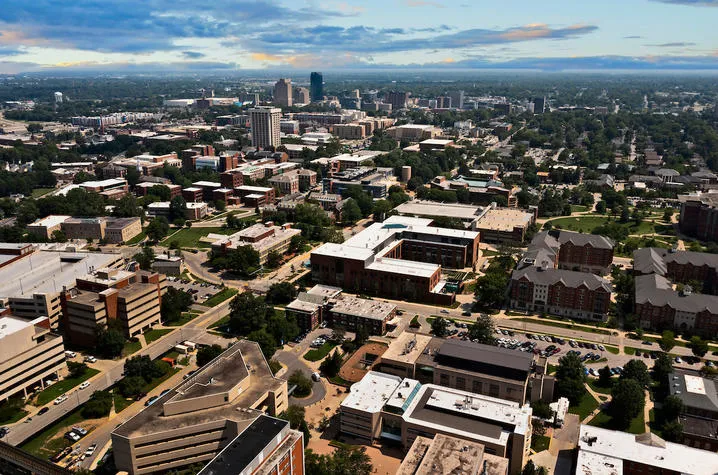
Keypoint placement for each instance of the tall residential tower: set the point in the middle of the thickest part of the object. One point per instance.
(265, 126)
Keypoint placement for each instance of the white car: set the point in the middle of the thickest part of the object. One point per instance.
(90, 450)
(90, 359)
(60, 399)
(70, 354)
(85, 385)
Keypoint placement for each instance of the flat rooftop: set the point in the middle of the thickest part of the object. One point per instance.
(432, 208)
(365, 308)
(486, 354)
(450, 455)
(326, 291)
(504, 219)
(48, 271)
(11, 324)
(404, 267)
(50, 221)
(694, 390)
(372, 392)
(407, 347)
(602, 451)
(208, 184)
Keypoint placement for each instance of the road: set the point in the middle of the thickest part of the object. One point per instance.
(195, 330)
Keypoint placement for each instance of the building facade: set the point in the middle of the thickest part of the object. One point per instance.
(265, 126)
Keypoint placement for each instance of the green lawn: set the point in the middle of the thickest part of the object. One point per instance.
(157, 381)
(221, 296)
(612, 349)
(137, 239)
(189, 237)
(489, 253)
(131, 346)
(598, 388)
(319, 353)
(540, 442)
(587, 224)
(220, 323)
(585, 407)
(42, 446)
(16, 416)
(185, 318)
(38, 192)
(62, 387)
(121, 403)
(578, 208)
(570, 326)
(603, 419)
(155, 334)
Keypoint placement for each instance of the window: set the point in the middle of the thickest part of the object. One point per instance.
(460, 383)
(444, 379)
(476, 387)
(494, 390)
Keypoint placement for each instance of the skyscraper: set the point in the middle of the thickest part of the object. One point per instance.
(302, 95)
(539, 105)
(457, 99)
(398, 100)
(316, 86)
(283, 92)
(265, 126)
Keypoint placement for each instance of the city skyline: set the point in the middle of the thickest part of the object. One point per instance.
(243, 35)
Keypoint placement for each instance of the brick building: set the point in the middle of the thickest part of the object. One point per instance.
(576, 251)
(699, 215)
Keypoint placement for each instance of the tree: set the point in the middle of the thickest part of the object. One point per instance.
(344, 461)
(131, 386)
(274, 259)
(302, 382)
(601, 207)
(667, 341)
(541, 409)
(360, 336)
(178, 209)
(158, 228)
(672, 431)
(440, 327)
(220, 205)
(638, 371)
(76, 370)
(243, 261)
(207, 353)
(332, 364)
(283, 327)
(483, 330)
(145, 258)
(570, 378)
(143, 367)
(672, 408)
(351, 213)
(247, 313)
(628, 401)
(604, 377)
(99, 405)
(266, 342)
(110, 343)
(295, 415)
(490, 288)
(281, 293)
(698, 346)
(338, 333)
(662, 368)
(59, 236)
(667, 215)
(174, 303)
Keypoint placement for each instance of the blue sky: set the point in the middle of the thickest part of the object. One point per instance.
(245, 34)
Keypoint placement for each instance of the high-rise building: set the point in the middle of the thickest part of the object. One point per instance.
(302, 95)
(265, 126)
(457, 99)
(398, 100)
(443, 102)
(539, 105)
(316, 88)
(283, 92)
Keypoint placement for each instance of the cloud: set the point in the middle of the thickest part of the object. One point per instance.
(362, 39)
(193, 54)
(678, 44)
(633, 37)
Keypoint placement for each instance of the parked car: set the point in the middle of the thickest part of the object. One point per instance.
(316, 376)
(90, 450)
(90, 359)
(151, 400)
(79, 431)
(43, 411)
(71, 436)
(3, 432)
(678, 359)
(84, 385)
(61, 399)
(70, 354)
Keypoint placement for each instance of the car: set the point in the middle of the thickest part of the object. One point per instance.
(70, 354)
(466, 314)
(594, 346)
(3, 432)
(90, 359)
(84, 385)
(189, 374)
(61, 399)
(601, 347)
(316, 376)
(646, 355)
(79, 431)
(151, 400)
(638, 352)
(646, 342)
(72, 437)
(709, 364)
(164, 392)
(654, 355)
(90, 450)
(678, 359)
(444, 311)
(323, 325)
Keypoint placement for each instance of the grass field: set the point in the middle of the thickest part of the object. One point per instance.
(38, 192)
(585, 407)
(578, 208)
(189, 237)
(319, 353)
(62, 387)
(157, 381)
(220, 323)
(137, 239)
(16, 416)
(121, 403)
(598, 388)
(221, 296)
(602, 419)
(156, 334)
(569, 326)
(185, 318)
(587, 224)
(540, 442)
(131, 347)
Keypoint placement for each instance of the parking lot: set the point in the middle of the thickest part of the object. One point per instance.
(200, 291)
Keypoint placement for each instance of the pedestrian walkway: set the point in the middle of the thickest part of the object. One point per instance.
(143, 342)
(595, 395)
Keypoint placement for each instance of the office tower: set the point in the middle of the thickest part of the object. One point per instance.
(265, 126)
(302, 95)
(398, 100)
(316, 87)
(283, 92)
(539, 105)
(457, 99)
(443, 102)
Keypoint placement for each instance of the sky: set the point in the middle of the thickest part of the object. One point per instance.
(236, 35)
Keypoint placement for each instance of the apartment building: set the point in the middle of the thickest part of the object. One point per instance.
(29, 353)
(679, 266)
(307, 179)
(608, 451)
(144, 188)
(699, 417)
(355, 313)
(193, 422)
(481, 369)
(168, 265)
(256, 195)
(193, 211)
(264, 238)
(287, 183)
(699, 215)
(132, 299)
(399, 258)
(576, 251)
(265, 126)
(387, 407)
